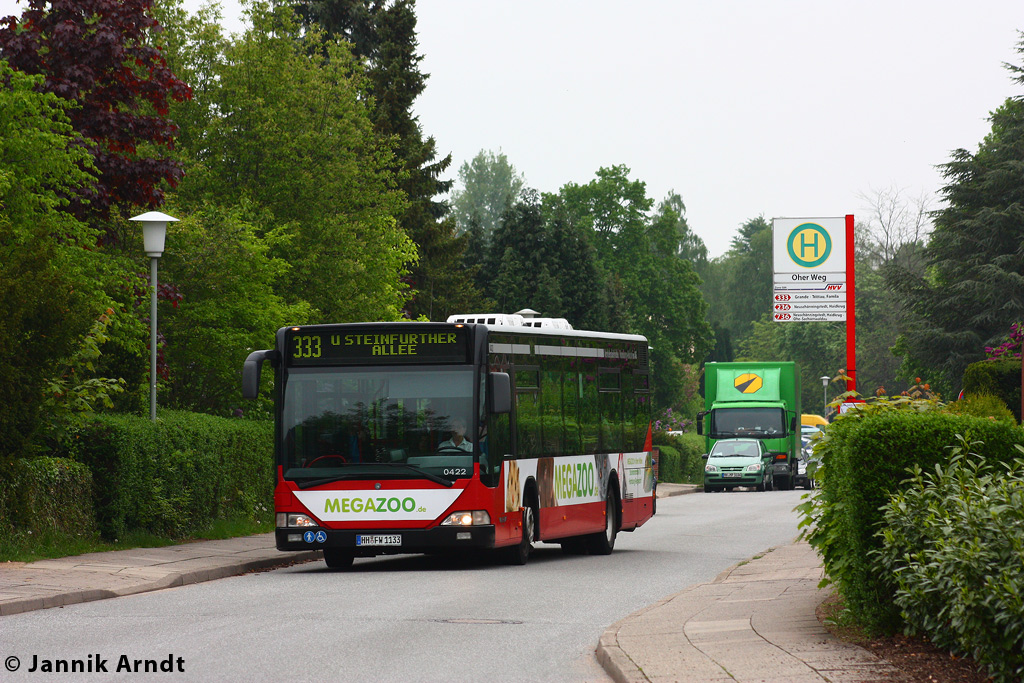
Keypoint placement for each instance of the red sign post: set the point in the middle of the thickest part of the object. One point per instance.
(851, 327)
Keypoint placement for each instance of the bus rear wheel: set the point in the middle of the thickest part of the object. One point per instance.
(603, 542)
(336, 558)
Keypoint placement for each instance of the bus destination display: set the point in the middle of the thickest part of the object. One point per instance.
(323, 347)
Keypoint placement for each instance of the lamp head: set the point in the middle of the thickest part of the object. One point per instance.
(154, 231)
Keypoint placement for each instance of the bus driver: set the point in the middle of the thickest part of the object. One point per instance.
(457, 440)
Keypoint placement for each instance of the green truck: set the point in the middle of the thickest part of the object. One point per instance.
(755, 400)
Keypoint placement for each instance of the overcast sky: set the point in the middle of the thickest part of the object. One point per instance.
(782, 108)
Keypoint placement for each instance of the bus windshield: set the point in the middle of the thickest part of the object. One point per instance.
(347, 423)
(728, 423)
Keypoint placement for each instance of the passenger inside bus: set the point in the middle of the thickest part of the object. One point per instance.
(350, 442)
(360, 444)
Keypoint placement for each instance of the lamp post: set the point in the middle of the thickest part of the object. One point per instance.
(154, 232)
(824, 395)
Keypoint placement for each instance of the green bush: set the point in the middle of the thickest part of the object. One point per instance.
(981, 405)
(954, 545)
(679, 460)
(1000, 378)
(175, 476)
(865, 457)
(46, 498)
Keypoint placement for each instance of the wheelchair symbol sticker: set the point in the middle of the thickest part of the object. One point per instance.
(321, 537)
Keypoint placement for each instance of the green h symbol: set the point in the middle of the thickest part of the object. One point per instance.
(804, 245)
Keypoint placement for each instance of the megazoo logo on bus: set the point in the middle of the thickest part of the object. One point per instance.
(366, 506)
(322, 346)
(575, 480)
(382, 504)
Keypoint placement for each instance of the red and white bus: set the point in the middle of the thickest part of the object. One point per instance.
(485, 432)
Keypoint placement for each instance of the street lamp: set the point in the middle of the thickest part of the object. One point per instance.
(824, 394)
(154, 232)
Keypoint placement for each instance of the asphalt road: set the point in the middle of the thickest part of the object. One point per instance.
(407, 618)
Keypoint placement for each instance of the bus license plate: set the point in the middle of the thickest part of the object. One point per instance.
(378, 539)
(732, 474)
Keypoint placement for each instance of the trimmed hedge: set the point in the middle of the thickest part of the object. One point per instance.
(46, 496)
(174, 476)
(1000, 378)
(866, 455)
(679, 461)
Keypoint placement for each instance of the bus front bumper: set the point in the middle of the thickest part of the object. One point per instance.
(371, 542)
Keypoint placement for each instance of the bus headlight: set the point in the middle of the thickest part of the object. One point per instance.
(467, 518)
(299, 519)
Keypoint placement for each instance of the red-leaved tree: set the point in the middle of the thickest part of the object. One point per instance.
(99, 54)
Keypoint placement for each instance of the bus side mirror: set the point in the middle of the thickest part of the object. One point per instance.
(499, 392)
(251, 372)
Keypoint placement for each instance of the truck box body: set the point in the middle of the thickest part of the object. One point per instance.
(755, 400)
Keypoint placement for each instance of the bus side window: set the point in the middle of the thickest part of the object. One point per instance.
(610, 403)
(589, 415)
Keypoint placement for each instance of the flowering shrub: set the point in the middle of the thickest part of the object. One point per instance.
(1011, 348)
(667, 421)
(920, 391)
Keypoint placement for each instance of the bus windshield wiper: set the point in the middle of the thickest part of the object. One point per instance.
(330, 480)
(422, 472)
(363, 475)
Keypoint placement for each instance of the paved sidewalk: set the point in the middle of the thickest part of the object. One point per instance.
(95, 576)
(754, 623)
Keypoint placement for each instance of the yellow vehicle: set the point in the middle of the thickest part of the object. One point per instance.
(813, 421)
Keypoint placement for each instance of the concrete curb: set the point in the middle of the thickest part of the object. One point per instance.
(613, 659)
(171, 579)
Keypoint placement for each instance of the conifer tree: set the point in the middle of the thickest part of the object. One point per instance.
(384, 34)
(974, 287)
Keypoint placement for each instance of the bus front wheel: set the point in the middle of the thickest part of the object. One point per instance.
(520, 553)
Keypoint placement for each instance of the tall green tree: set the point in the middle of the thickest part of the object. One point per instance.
(48, 299)
(383, 34)
(642, 254)
(228, 306)
(289, 130)
(540, 260)
(674, 306)
(581, 282)
(687, 244)
(488, 186)
(738, 285)
(517, 252)
(974, 286)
